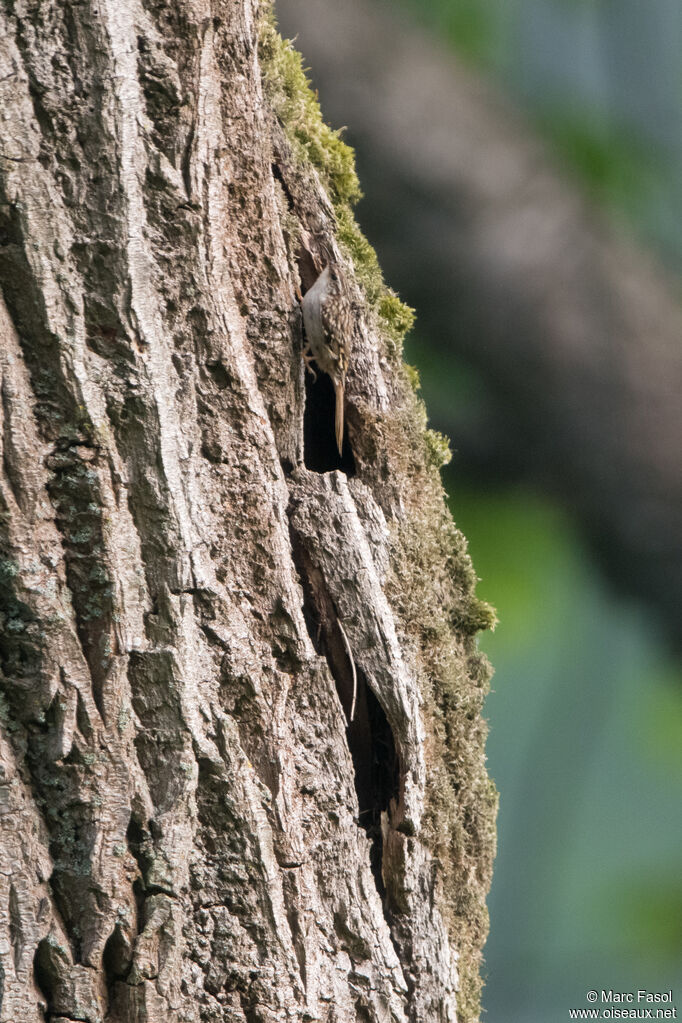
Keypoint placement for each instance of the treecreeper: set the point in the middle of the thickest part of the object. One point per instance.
(328, 319)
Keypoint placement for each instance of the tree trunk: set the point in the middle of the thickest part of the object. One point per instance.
(194, 581)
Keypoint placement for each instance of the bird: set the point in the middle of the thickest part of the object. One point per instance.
(328, 320)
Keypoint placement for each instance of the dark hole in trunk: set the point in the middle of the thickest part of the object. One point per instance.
(320, 452)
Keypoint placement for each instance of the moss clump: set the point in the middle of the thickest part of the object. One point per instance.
(475, 616)
(412, 375)
(397, 317)
(438, 451)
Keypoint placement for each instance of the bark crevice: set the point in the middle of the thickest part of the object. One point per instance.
(321, 453)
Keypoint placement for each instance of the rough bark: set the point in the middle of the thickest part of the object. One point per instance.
(192, 829)
(575, 333)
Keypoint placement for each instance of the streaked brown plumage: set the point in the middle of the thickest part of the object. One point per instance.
(328, 318)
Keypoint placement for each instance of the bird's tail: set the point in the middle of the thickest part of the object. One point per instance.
(338, 419)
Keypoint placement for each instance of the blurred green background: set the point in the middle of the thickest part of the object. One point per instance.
(586, 708)
(586, 747)
(603, 81)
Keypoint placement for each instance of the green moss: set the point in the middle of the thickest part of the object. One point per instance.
(475, 616)
(296, 105)
(397, 317)
(437, 448)
(412, 374)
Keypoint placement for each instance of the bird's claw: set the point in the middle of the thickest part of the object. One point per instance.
(308, 359)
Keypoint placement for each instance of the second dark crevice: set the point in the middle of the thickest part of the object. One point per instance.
(370, 737)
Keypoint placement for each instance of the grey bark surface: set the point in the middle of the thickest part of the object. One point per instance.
(190, 827)
(574, 331)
